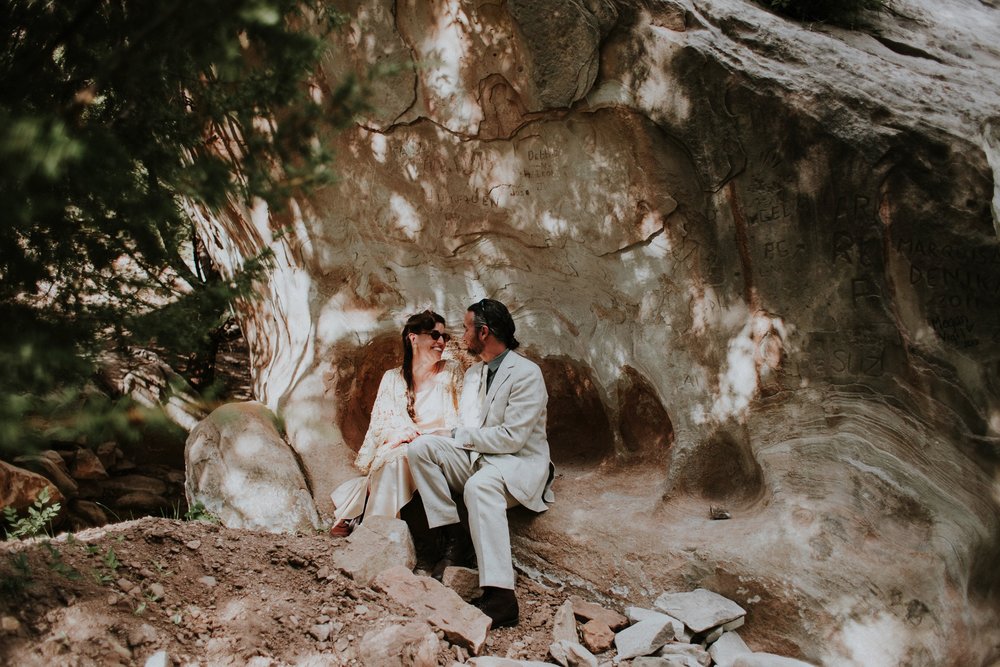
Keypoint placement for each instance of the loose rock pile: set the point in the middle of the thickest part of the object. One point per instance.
(692, 629)
(684, 629)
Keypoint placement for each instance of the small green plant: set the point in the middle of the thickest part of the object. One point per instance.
(846, 13)
(19, 578)
(111, 560)
(102, 578)
(173, 513)
(140, 609)
(198, 512)
(111, 564)
(40, 515)
(161, 568)
(58, 565)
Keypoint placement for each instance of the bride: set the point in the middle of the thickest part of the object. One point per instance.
(421, 396)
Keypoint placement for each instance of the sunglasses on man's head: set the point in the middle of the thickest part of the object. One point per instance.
(435, 335)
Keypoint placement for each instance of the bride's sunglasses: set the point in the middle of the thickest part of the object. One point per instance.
(435, 335)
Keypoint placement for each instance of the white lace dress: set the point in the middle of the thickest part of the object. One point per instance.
(387, 485)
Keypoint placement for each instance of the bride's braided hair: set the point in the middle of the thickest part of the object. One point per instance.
(421, 322)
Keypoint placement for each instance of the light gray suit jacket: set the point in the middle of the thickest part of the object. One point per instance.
(508, 428)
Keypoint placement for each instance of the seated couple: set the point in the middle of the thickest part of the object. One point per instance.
(481, 435)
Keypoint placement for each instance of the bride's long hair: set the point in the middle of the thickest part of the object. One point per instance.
(418, 323)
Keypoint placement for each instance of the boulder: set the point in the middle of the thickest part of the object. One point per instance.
(376, 545)
(86, 514)
(124, 484)
(241, 469)
(410, 645)
(51, 466)
(87, 465)
(461, 623)
(142, 502)
(19, 488)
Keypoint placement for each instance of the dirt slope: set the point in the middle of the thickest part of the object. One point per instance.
(207, 595)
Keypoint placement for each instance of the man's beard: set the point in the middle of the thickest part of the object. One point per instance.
(475, 347)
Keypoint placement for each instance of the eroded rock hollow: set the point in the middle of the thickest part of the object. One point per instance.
(757, 260)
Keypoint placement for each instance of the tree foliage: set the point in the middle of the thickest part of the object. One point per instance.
(114, 115)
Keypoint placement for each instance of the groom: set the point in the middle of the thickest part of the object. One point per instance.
(498, 458)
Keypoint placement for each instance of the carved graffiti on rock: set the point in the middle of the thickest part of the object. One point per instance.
(837, 354)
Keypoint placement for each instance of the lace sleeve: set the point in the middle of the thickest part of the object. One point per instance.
(453, 394)
(389, 418)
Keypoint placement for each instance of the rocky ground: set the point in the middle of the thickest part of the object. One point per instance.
(208, 595)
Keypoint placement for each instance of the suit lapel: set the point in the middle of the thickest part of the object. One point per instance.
(502, 376)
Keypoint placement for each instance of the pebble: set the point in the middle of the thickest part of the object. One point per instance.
(321, 632)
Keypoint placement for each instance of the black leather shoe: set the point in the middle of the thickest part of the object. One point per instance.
(500, 604)
(458, 551)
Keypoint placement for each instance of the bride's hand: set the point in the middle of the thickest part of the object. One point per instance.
(403, 439)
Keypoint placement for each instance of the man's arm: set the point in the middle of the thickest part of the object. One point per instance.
(525, 408)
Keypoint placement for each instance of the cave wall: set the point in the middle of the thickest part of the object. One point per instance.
(756, 260)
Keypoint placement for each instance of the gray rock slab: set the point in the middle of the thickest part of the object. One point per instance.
(564, 624)
(159, 659)
(571, 654)
(712, 635)
(378, 544)
(656, 661)
(700, 609)
(643, 638)
(495, 661)
(728, 648)
(768, 660)
(690, 654)
(636, 614)
(734, 624)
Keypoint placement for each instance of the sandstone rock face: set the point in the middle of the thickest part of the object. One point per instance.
(242, 471)
(757, 261)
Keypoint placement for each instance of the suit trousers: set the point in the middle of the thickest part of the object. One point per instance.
(438, 468)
